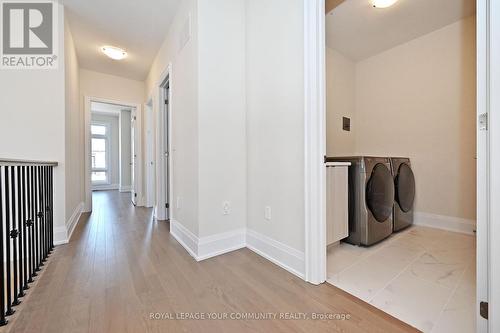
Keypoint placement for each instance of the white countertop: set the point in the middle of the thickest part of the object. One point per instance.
(337, 164)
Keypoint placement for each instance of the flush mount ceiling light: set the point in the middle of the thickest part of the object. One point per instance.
(114, 53)
(383, 3)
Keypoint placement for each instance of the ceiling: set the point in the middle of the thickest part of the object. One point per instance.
(138, 26)
(359, 31)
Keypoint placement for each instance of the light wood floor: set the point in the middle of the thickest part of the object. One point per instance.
(121, 266)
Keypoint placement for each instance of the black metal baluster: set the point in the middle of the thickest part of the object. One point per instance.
(20, 217)
(47, 214)
(25, 220)
(9, 311)
(51, 204)
(32, 224)
(3, 321)
(37, 219)
(42, 215)
(13, 235)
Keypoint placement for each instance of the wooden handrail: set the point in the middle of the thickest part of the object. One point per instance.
(10, 161)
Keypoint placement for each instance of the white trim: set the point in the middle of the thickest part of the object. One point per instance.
(62, 234)
(204, 248)
(185, 237)
(314, 141)
(149, 154)
(482, 183)
(127, 188)
(215, 245)
(449, 223)
(87, 136)
(105, 187)
(210, 246)
(492, 228)
(278, 253)
(161, 199)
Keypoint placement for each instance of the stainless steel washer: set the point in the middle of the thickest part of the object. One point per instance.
(371, 198)
(404, 184)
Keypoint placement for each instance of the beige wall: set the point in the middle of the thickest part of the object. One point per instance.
(221, 115)
(340, 98)
(95, 84)
(275, 119)
(184, 108)
(418, 100)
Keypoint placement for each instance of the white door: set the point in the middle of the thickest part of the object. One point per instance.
(133, 131)
(488, 164)
(150, 143)
(166, 147)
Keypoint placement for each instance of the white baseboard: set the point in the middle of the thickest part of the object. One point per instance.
(105, 187)
(62, 234)
(282, 255)
(215, 245)
(185, 237)
(207, 247)
(125, 188)
(450, 223)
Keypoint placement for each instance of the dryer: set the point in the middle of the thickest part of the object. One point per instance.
(371, 198)
(404, 197)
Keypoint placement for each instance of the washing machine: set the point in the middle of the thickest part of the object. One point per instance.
(371, 198)
(404, 185)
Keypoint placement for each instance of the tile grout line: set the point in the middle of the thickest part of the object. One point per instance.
(402, 271)
(389, 241)
(397, 275)
(453, 292)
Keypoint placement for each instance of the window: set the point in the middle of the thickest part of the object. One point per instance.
(100, 153)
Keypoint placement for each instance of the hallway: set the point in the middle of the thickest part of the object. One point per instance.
(121, 267)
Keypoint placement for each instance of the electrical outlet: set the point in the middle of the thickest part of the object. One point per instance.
(226, 208)
(267, 213)
(178, 203)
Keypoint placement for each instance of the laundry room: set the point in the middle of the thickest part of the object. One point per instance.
(401, 158)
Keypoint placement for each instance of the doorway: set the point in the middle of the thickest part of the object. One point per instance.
(113, 148)
(316, 149)
(164, 139)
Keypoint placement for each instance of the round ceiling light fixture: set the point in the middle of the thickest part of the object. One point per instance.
(383, 3)
(114, 53)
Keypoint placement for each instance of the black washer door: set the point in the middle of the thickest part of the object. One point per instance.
(405, 187)
(380, 193)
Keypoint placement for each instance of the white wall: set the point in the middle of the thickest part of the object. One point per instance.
(114, 147)
(74, 148)
(275, 118)
(340, 102)
(44, 106)
(125, 151)
(237, 110)
(184, 108)
(221, 115)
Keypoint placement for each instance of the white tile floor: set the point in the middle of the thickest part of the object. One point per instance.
(422, 276)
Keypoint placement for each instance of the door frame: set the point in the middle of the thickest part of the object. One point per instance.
(314, 141)
(488, 102)
(87, 136)
(162, 161)
(149, 153)
(488, 75)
